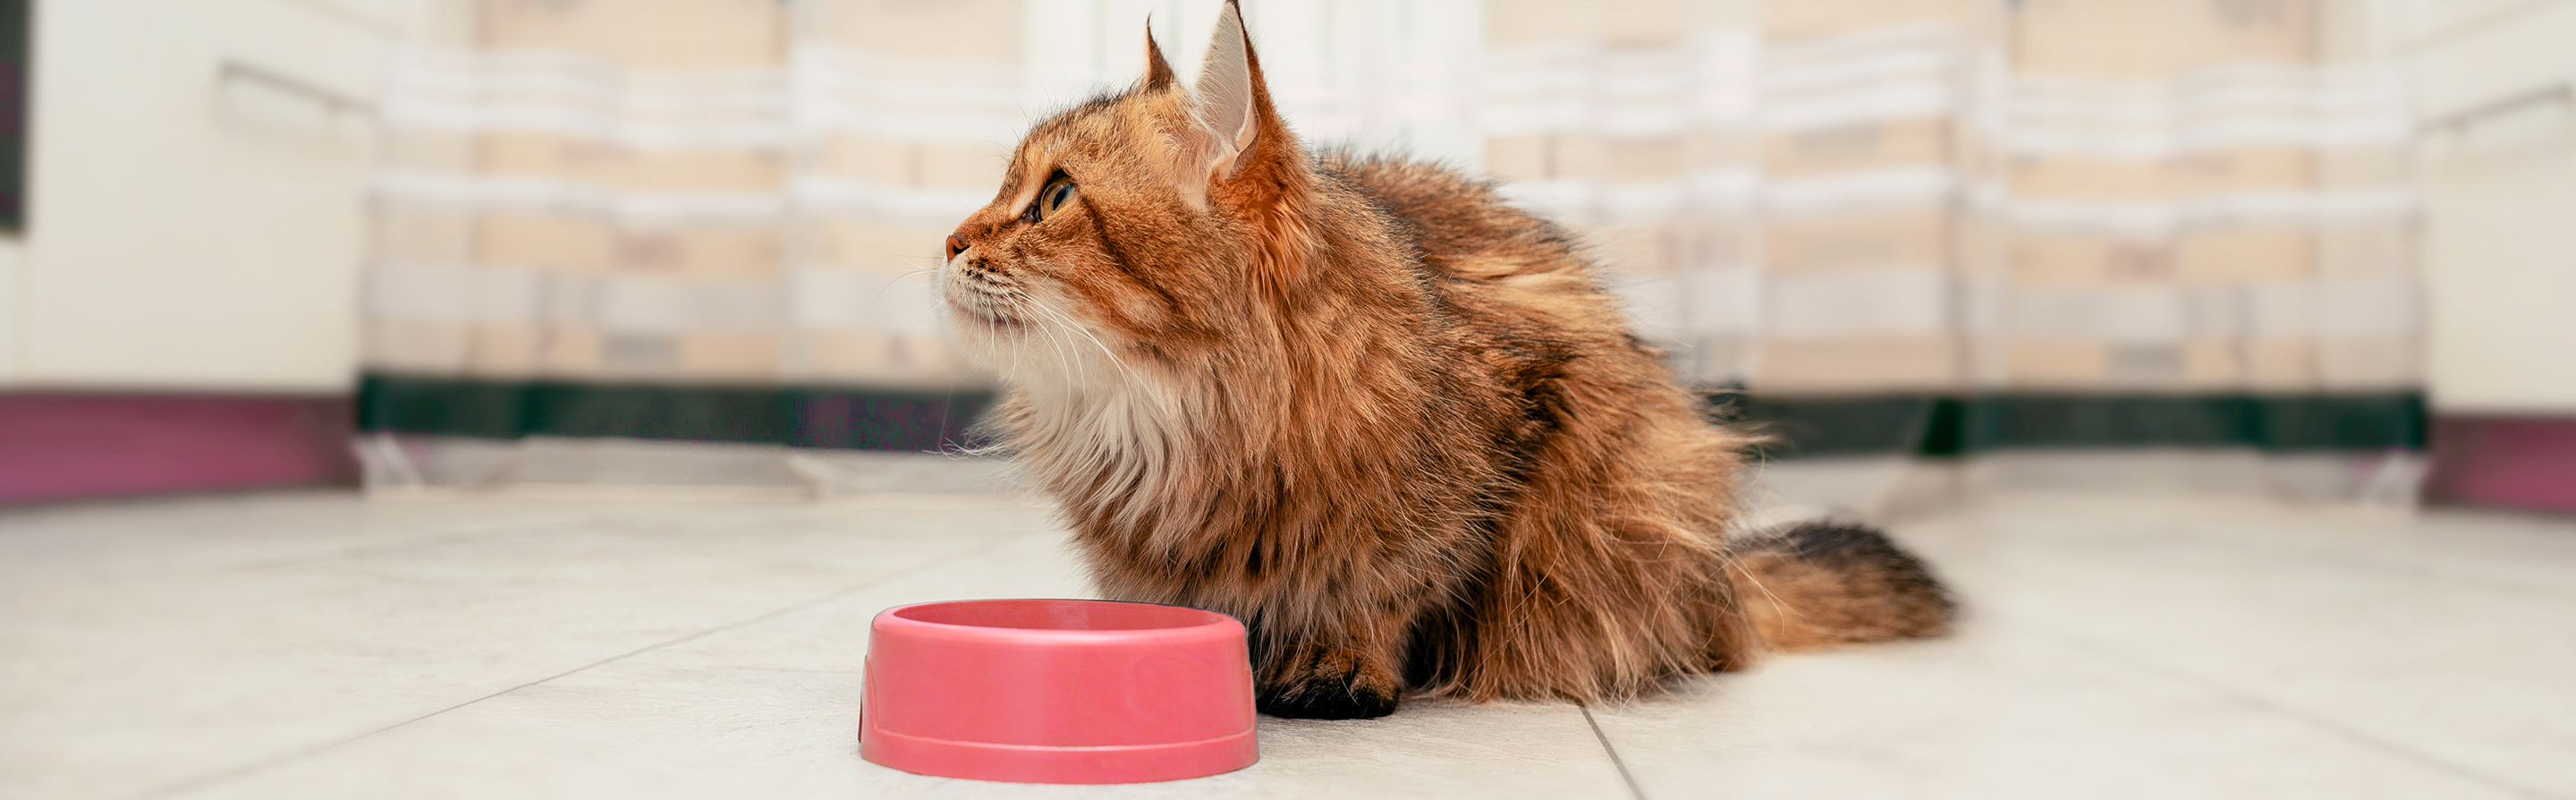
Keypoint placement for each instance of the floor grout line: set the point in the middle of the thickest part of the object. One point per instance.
(466, 535)
(1634, 790)
(258, 766)
(2326, 724)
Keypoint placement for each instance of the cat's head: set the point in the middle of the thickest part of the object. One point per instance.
(1137, 227)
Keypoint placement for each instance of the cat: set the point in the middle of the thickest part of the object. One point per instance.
(1390, 422)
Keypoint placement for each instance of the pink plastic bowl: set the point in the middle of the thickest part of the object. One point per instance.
(1058, 691)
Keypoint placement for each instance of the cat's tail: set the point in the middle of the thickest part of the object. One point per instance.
(1811, 584)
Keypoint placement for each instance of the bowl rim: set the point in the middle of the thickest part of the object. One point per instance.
(1214, 625)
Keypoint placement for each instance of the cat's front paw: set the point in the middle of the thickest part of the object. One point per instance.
(1330, 686)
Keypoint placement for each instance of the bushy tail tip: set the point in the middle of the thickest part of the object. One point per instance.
(1813, 584)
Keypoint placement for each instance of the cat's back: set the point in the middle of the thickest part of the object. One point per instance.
(1462, 225)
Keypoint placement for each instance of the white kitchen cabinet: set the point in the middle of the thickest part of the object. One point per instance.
(196, 195)
(2495, 87)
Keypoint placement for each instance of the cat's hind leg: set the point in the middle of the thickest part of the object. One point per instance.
(1346, 668)
(1311, 680)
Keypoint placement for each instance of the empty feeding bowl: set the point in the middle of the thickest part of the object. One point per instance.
(1058, 691)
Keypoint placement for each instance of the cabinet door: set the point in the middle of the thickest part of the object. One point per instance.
(2500, 266)
(197, 194)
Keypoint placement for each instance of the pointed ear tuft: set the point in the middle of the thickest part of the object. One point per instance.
(1158, 72)
(1223, 98)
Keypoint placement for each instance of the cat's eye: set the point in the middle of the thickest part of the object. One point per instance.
(1051, 199)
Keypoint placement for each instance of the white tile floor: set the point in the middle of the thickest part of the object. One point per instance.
(318, 645)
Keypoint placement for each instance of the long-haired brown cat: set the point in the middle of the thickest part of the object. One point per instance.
(1391, 423)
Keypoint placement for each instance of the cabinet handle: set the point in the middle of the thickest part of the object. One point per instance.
(2457, 121)
(233, 70)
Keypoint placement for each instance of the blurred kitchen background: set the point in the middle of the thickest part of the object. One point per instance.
(2322, 250)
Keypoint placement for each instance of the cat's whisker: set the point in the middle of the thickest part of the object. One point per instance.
(1019, 354)
(898, 280)
(1081, 366)
(1056, 343)
(1024, 302)
(1095, 341)
(1050, 321)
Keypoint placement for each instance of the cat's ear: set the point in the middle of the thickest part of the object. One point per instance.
(1158, 72)
(1229, 84)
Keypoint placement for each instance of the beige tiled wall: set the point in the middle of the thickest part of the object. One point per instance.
(1820, 196)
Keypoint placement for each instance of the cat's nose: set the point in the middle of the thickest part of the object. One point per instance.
(955, 245)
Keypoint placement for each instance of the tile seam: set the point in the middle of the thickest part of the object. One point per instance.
(1621, 764)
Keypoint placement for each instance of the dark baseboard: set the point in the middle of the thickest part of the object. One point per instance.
(895, 419)
(1938, 425)
(822, 417)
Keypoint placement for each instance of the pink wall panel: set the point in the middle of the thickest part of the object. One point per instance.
(62, 446)
(2527, 462)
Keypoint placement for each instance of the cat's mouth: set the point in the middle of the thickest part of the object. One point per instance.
(976, 297)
